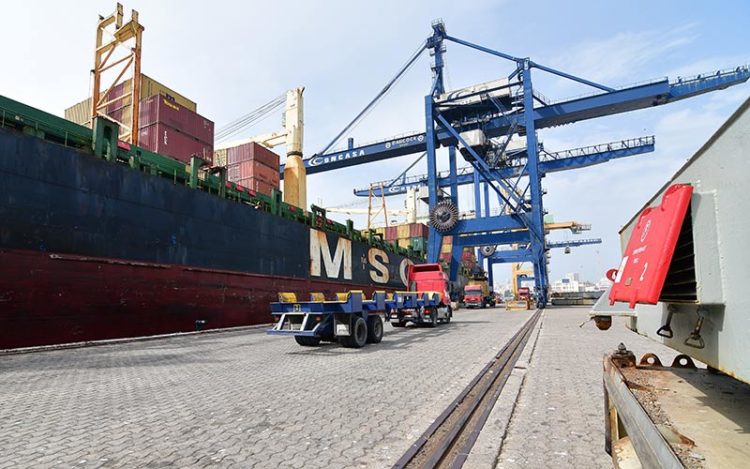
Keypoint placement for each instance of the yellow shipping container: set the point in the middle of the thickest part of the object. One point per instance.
(447, 244)
(80, 113)
(220, 159)
(404, 243)
(402, 232)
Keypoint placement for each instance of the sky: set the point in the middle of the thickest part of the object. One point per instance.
(233, 56)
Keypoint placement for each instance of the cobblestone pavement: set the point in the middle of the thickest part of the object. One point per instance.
(559, 418)
(239, 399)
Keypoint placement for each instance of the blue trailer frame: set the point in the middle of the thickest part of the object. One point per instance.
(351, 319)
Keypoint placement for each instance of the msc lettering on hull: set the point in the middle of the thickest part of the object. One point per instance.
(320, 256)
(333, 257)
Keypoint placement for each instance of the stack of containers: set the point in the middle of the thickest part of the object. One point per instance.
(174, 130)
(409, 234)
(168, 122)
(253, 166)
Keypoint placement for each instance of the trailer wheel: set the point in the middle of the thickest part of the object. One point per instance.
(307, 341)
(358, 337)
(433, 317)
(399, 322)
(375, 330)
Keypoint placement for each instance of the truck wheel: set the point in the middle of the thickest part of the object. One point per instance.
(375, 330)
(448, 314)
(399, 322)
(358, 337)
(433, 318)
(307, 341)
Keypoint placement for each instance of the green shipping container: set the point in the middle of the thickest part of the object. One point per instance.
(419, 244)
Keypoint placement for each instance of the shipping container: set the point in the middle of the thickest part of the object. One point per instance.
(164, 139)
(261, 187)
(159, 109)
(254, 169)
(447, 244)
(419, 230)
(80, 113)
(149, 88)
(220, 157)
(419, 243)
(391, 233)
(403, 232)
(404, 243)
(253, 151)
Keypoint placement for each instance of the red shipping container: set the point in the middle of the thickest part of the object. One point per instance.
(167, 141)
(418, 230)
(261, 187)
(391, 233)
(253, 151)
(161, 110)
(257, 170)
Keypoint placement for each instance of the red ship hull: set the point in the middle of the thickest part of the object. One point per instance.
(48, 298)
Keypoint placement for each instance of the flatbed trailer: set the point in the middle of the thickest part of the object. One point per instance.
(420, 308)
(352, 320)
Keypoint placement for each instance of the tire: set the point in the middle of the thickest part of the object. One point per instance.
(433, 318)
(307, 341)
(358, 337)
(448, 314)
(374, 330)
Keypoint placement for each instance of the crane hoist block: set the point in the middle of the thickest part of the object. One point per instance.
(652, 244)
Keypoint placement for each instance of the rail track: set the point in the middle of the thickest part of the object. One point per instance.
(447, 442)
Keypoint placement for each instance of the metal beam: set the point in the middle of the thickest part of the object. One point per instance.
(552, 162)
(572, 243)
(562, 112)
(493, 239)
(511, 255)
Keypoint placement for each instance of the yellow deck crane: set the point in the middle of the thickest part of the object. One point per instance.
(295, 174)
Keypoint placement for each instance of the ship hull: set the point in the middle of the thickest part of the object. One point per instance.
(49, 298)
(91, 249)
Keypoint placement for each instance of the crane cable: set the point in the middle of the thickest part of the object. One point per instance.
(250, 119)
(413, 58)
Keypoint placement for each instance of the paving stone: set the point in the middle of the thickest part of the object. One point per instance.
(559, 416)
(177, 402)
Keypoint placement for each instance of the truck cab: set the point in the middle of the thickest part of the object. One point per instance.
(478, 295)
(429, 278)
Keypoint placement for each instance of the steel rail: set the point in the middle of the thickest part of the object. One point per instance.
(448, 441)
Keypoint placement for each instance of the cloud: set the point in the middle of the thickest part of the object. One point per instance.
(615, 60)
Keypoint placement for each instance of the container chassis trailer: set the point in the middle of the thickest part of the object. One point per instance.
(351, 320)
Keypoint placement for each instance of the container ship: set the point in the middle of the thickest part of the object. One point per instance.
(101, 239)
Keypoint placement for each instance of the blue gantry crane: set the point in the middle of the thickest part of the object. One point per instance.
(479, 121)
(550, 162)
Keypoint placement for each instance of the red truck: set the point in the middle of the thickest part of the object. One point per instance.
(424, 279)
(478, 295)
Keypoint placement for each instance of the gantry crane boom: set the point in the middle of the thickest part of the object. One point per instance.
(551, 162)
(563, 112)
